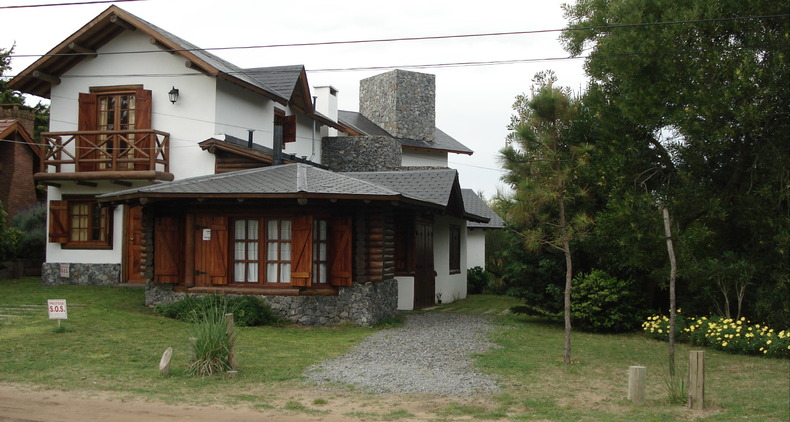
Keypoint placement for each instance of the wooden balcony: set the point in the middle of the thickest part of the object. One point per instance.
(104, 155)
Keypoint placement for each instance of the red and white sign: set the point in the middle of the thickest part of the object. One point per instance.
(57, 309)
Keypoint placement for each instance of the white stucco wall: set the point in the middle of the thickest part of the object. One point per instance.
(420, 158)
(405, 293)
(476, 248)
(452, 286)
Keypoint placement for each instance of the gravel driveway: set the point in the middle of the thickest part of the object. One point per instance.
(429, 354)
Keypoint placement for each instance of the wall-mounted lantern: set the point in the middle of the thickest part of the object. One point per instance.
(173, 95)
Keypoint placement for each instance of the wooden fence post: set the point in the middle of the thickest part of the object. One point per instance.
(697, 379)
(636, 383)
(230, 330)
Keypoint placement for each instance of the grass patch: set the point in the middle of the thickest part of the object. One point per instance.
(116, 343)
(125, 340)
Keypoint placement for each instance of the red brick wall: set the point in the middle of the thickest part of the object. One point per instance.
(17, 161)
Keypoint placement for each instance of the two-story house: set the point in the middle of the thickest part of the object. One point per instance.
(168, 165)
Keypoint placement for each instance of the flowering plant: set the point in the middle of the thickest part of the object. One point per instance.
(738, 336)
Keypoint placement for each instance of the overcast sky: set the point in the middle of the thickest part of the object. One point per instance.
(473, 103)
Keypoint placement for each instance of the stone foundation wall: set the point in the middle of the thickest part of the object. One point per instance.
(361, 304)
(81, 274)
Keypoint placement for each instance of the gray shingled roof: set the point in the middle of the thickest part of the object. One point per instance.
(284, 179)
(220, 64)
(281, 78)
(232, 140)
(475, 205)
(432, 186)
(443, 142)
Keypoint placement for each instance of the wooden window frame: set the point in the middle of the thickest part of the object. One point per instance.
(287, 125)
(61, 227)
(455, 248)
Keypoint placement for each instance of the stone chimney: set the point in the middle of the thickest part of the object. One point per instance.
(401, 102)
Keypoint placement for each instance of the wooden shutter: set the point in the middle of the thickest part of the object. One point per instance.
(87, 120)
(302, 251)
(340, 264)
(167, 250)
(289, 128)
(58, 221)
(142, 120)
(211, 255)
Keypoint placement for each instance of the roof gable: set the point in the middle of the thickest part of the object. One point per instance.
(84, 43)
(475, 205)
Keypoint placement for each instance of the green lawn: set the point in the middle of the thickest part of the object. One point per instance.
(114, 343)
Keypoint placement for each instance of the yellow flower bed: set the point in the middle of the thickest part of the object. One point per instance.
(738, 336)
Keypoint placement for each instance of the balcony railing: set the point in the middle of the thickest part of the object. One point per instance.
(106, 150)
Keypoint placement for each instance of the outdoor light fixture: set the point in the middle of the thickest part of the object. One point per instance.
(173, 94)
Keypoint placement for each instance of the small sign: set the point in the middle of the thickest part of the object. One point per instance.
(57, 309)
(64, 270)
(206, 234)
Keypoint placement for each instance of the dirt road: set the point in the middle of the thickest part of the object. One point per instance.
(26, 403)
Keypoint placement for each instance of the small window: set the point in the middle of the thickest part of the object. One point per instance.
(319, 251)
(455, 249)
(80, 224)
(284, 128)
(278, 251)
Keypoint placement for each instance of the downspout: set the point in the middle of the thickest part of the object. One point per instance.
(313, 138)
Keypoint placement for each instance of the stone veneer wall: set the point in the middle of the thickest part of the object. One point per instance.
(81, 274)
(361, 304)
(360, 153)
(402, 103)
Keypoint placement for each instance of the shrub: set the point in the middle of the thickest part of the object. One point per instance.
(248, 311)
(32, 227)
(601, 303)
(477, 280)
(213, 346)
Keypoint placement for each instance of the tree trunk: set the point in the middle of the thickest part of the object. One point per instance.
(566, 248)
(672, 275)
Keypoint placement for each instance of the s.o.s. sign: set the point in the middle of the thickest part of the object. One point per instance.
(57, 309)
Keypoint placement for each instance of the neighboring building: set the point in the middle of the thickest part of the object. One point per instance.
(210, 178)
(476, 231)
(18, 159)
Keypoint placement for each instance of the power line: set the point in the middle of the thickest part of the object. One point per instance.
(79, 3)
(409, 39)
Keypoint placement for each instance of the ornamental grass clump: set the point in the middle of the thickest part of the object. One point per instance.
(213, 344)
(737, 336)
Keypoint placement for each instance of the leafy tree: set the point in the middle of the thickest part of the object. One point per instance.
(7, 96)
(705, 82)
(542, 168)
(701, 88)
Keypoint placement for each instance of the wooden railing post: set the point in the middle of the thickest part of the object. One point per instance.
(696, 380)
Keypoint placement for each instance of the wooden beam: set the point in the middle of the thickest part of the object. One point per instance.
(122, 23)
(192, 65)
(54, 80)
(86, 183)
(83, 50)
(53, 184)
(121, 183)
(161, 45)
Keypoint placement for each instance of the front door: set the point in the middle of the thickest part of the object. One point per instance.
(424, 274)
(133, 270)
(211, 250)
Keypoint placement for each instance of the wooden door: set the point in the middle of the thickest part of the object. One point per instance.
(211, 250)
(133, 263)
(424, 273)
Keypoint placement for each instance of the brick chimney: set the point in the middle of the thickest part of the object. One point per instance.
(401, 102)
(23, 114)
